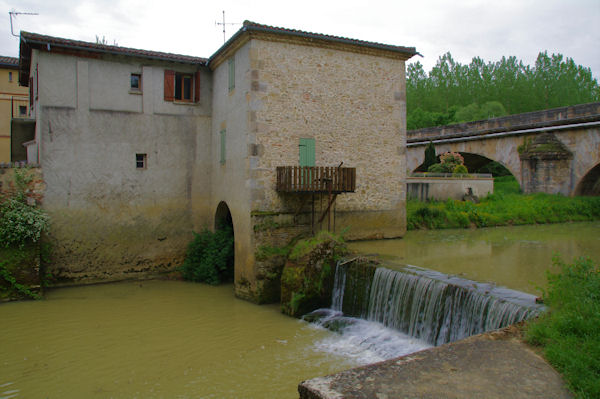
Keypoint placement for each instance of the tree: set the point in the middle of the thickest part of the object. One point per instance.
(430, 157)
(453, 92)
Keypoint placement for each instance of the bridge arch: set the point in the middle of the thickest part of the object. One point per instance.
(589, 184)
(224, 221)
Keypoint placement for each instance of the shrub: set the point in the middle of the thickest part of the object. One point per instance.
(569, 331)
(209, 257)
(20, 223)
(439, 168)
(460, 170)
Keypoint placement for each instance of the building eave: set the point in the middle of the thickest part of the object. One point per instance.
(253, 30)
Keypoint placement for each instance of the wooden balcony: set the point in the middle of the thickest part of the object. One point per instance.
(316, 179)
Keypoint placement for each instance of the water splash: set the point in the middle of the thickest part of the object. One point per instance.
(436, 308)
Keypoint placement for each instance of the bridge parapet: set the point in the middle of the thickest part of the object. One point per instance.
(556, 117)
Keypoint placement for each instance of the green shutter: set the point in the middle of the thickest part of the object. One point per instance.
(231, 73)
(307, 152)
(222, 146)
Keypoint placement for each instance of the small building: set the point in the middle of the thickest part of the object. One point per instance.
(279, 132)
(14, 111)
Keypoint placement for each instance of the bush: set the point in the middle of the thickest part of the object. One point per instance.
(460, 170)
(209, 257)
(439, 168)
(569, 331)
(20, 223)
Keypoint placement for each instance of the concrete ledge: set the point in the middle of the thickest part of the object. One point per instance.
(490, 365)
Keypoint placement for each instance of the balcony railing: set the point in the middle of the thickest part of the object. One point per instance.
(316, 179)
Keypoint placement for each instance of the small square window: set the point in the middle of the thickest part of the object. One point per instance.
(136, 81)
(140, 161)
(22, 110)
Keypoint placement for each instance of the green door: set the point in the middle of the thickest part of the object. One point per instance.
(307, 158)
(307, 152)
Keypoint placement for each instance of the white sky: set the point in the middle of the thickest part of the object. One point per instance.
(466, 28)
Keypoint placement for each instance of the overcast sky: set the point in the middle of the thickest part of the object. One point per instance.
(466, 28)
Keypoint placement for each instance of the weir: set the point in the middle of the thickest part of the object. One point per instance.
(425, 304)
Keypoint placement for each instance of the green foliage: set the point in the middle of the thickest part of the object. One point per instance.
(569, 332)
(453, 93)
(209, 257)
(505, 207)
(440, 168)
(21, 289)
(20, 222)
(460, 170)
(303, 247)
(430, 157)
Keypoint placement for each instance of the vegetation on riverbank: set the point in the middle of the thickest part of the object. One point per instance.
(507, 206)
(569, 332)
(22, 224)
(209, 257)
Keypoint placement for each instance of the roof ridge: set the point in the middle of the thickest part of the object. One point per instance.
(250, 24)
(90, 46)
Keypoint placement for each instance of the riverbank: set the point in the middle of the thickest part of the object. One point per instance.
(507, 206)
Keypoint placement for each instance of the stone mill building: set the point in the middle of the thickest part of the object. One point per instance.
(140, 148)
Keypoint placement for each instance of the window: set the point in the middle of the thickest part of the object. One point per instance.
(222, 146)
(22, 110)
(136, 82)
(140, 161)
(10, 76)
(184, 87)
(231, 74)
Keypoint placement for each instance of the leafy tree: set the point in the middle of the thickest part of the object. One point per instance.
(452, 92)
(430, 157)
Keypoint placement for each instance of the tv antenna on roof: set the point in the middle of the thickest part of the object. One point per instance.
(225, 23)
(14, 14)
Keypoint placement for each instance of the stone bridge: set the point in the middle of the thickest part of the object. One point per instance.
(553, 151)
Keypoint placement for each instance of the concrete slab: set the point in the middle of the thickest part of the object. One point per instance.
(490, 365)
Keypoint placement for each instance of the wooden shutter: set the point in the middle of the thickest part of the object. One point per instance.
(169, 85)
(197, 87)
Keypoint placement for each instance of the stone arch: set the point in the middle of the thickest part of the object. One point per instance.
(223, 221)
(589, 183)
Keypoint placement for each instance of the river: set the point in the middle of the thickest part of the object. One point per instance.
(173, 339)
(516, 257)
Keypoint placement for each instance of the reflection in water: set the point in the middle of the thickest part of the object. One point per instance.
(516, 257)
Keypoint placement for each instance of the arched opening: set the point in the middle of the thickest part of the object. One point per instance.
(590, 184)
(504, 180)
(225, 232)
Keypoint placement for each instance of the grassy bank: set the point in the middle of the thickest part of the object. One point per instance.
(569, 332)
(507, 206)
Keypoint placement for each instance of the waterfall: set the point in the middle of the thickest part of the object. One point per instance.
(429, 305)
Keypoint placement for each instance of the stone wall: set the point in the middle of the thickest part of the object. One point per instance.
(442, 188)
(353, 105)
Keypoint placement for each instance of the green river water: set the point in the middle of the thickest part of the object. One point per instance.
(172, 339)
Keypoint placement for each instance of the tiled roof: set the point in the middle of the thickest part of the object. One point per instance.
(249, 25)
(9, 61)
(34, 38)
